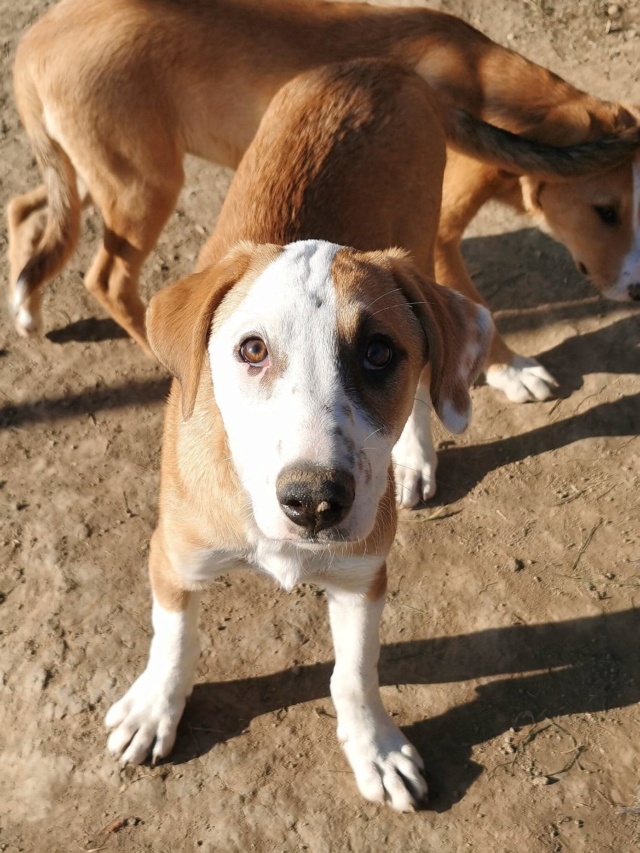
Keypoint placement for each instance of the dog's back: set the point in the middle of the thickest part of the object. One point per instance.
(366, 144)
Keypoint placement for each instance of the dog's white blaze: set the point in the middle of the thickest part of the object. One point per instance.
(630, 269)
(297, 410)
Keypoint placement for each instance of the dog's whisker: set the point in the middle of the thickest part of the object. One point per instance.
(382, 295)
(398, 305)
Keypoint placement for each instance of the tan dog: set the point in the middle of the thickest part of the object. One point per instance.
(296, 370)
(197, 76)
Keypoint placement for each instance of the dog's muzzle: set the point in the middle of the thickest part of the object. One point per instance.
(634, 291)
(315, 498)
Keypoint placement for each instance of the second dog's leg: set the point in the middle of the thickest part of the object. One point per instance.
(146, 718)
(27, 221)
(386, 766)
(468, 184)
(132, 227)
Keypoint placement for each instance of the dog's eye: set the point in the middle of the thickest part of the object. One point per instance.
(378, 355)
(607, 214)
(254, 351)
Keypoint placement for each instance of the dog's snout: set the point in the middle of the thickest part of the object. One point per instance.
(315, 498)
(634, 291)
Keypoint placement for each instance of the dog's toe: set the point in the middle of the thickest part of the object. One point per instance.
(387, 767)
(522, 381)
(415, 481)
(145, 720)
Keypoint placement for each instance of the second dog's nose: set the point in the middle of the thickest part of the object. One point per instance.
(315, 498)
(634, 291)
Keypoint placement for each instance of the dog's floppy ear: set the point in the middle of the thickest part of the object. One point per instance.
(458, 333)
(179, 318)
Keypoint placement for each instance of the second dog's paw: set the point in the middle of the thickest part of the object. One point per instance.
(387, 768)
(147, 716)
(523, 380)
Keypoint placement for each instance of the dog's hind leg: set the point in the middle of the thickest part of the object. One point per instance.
(468, 185)
(133, 220)
(43, 230)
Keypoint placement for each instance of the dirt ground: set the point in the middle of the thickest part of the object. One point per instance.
(510, 638)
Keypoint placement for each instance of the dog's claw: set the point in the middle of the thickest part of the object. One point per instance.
(522, 381)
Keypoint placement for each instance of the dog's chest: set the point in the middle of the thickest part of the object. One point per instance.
(285, 562)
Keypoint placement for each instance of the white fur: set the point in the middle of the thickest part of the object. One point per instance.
(292, 306)
(523, 380)
(414, 456)
(630, 269)
(151, 709)
(385, 764)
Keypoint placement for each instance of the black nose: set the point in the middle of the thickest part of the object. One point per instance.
(315, 498)
(634, 291)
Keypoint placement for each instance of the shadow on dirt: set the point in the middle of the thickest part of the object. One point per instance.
(460, 469)
(89, 330)
(574, 667)
(528, 270)
(87, 402)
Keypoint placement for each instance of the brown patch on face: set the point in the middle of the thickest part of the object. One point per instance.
(371, 307)
(378, 586)
(458, 335)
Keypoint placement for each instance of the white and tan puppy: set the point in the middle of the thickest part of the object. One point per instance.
(114, 93)
(296, 367)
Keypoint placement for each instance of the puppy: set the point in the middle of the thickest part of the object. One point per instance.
(296, 365)
(112, 100)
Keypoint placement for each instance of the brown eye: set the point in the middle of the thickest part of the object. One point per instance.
(254, 351)
(607, 214)
(378, 356)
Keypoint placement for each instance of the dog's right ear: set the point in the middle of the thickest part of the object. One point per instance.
(179, 317)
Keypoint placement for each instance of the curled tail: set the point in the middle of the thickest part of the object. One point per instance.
(527, 157)
(61, 229)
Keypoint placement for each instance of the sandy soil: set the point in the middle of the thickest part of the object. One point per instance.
(510, 637)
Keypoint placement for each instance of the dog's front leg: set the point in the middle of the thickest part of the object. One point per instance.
(386, 766)
(146, 718)
(414, 456)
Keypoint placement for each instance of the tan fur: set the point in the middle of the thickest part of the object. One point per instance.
(291, 186)
(379, 586)
(197, 76)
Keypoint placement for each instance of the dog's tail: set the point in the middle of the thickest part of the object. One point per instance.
(524, 156)
(63, 205)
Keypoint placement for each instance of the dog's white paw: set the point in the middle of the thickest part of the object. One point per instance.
(415, 460)
(27, 317)
(414, 484)
(386, 766)
(147, 716)
(27, 325)
(523, 380)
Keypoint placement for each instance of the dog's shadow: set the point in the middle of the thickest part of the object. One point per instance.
(91, 329)
(588, 664)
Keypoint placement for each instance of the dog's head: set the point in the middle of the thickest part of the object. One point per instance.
(315, 353)
(597, 218)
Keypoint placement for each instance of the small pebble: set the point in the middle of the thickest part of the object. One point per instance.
(539, 781)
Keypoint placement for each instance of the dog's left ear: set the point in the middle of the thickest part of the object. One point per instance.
(458, 333)
(179, 318)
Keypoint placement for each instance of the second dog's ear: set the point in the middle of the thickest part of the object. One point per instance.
(179, 317)
(458, 333)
